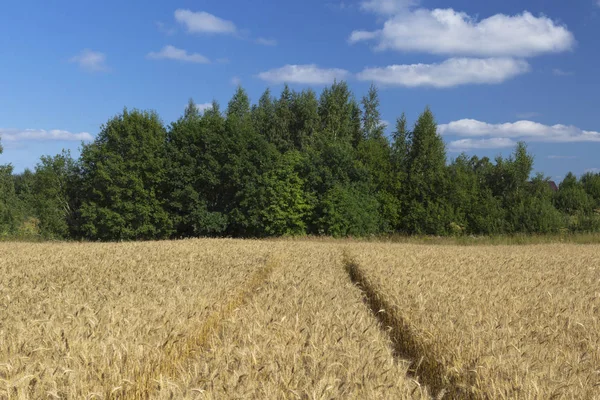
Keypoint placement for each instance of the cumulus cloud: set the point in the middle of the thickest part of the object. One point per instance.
(307, 74)
(446, 31)
(388, 7)
(555, 157)
(92, 61)
(478, 144)
(452, 72)
(235, 81)
(16, 135)
(593, 170)
(173, 53)
(203, 22)
(520, 130)
(358, 36)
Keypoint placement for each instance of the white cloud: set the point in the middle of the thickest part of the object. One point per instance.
(593, 170)
(478, 144)
(16, 135)
(307, 74)
(560, 72)
(388, 7)
(452, 72)
(445, 31)
(235, 81)
(358, 36)
(203, 107)
(203, 22)
(173, 53)
(555, 157)
(92, 61)
(522, 130)
(266, 42)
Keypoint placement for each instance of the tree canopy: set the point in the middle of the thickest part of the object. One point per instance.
(293, 164)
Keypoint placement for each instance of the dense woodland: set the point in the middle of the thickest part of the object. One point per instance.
(295, 164)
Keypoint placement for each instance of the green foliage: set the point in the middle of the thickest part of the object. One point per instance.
(572, 198)
(306, 122)
(338, 114)
(390, 211)
(291, 164)
(372, 128)
(349, 211)
(591, 184)
(195, 148)
(427, 210)
(123, 175)
(52, 182)
(535, 212)
(10, 208)
(280, 203)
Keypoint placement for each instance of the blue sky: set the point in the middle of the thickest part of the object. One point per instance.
(493, 72)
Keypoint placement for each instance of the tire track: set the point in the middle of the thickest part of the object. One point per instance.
(441, 382)
(177, 351)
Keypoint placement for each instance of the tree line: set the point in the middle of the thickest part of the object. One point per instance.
(295, 164)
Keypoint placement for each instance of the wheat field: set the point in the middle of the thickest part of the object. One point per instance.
(503, 322)
(298, 319)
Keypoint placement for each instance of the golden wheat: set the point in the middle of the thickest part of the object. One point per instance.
(305, 334)
(191, 319)
(492, 322)
(302, 319)
(102, 320)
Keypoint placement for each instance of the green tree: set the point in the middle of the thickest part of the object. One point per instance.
(426, 210)
(194, 147)
(337, 113)
(248, 155)
(572, 198)
(401, 148)
(374, 148)
(281, 204)
(579, 206)
(591, 184)
(534, 211)
(263, 117)
(9, 215)
(349, 210)
(25, 191)
(52, 184)
(306, 122)
(375, 153)
(283, 120)
(372, 128)
(123, 180)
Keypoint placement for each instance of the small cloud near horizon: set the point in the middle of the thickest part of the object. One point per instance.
(91, 61)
